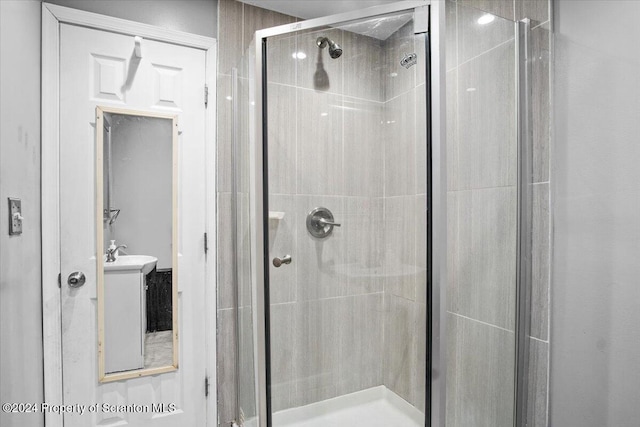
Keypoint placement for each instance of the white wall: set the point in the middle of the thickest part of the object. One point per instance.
(192, 16)
(20, 290)
(141, 153)
(595, 332)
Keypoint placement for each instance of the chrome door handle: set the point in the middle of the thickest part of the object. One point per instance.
(76, 279)
(277, 262)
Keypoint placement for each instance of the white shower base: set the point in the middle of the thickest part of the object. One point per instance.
(373, 407)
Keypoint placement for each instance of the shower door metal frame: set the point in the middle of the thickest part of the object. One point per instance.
(436, 276)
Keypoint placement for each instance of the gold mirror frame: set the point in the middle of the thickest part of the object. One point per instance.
(102, 376)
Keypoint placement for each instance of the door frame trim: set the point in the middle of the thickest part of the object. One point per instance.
(52, 17)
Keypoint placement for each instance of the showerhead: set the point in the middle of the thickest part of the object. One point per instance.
(334, 48)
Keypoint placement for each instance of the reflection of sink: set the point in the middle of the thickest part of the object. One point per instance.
(144, 263)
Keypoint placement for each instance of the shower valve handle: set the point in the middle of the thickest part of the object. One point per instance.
(323, 221)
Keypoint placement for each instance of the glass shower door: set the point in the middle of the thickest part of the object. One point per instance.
(347, 185)
(482, 211)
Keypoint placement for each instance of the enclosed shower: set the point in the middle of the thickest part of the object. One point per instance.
(348, 218)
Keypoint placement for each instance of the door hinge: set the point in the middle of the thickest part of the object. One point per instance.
(206, 243)
(206, 96)
(59, 280)
(206, 386)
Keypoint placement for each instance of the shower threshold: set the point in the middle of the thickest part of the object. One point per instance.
(373, 407)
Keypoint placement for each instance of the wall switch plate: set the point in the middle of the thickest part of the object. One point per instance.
(15, 216)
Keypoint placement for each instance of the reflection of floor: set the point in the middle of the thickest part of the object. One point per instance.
(158, 349)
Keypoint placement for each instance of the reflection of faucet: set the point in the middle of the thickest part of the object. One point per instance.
(111, 252)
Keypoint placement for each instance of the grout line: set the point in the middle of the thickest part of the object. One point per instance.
(402, 93)
(303, 301)
(538, 339)
(481, 188)
(480, 321)
(328, 92)
(541, 24)
(482, 53)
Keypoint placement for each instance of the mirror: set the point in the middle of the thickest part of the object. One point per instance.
(136, 155)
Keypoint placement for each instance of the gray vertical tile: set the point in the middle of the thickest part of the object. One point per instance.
(421, 66)
(225, 253)
(421, 248)
(480, 374)
(459, 249)
(475, 38)
(364, 245)
(243, 146)
(281, 125)
(246, 382)
(361, 343)
(540, 260)
(242, 172)
(451, 37)
(487, 150)
(363, 148)
(318, 70)
(363, 66)
(536, 10)
(282, 351)
(399, 161)
(453, 173)
(538, 384)
(229, 34)
(501, 8)
(399, 349)
(256, 18)
(421, 139)
(226, 365)
(483, 283)
(223, 146)
(282, 59)
(283, 241)
(397, 79)
(319, 143)
(453, 388)
(400, 257)
(419, 367)
(494, 233)
(540, 103)
(316, 350)
(452, 248)
(244, 250)
(320, 261)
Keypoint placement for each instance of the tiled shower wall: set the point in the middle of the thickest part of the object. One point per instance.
(332, 148)
(346, 331)
(405, 219)
(349, 313)
(327, 305)
(481, 169)
(236, 24)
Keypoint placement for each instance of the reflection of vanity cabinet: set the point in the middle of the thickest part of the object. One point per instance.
(125, 320)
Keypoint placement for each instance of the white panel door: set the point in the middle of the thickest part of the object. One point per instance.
(99, 68)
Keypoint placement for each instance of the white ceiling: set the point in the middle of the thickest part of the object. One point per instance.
(308, 9)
